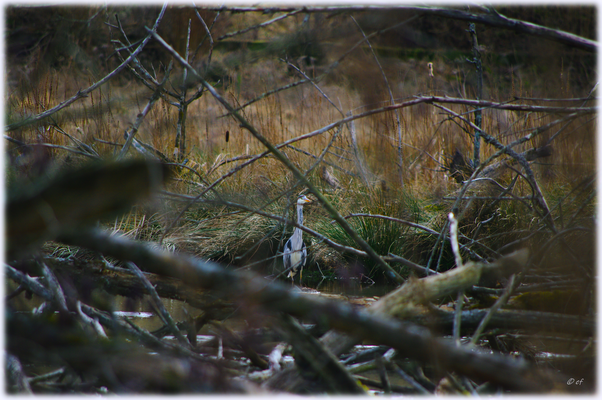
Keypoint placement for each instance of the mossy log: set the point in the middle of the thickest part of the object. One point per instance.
(409, 299)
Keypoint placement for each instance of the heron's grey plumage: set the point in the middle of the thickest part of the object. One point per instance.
(295, 253)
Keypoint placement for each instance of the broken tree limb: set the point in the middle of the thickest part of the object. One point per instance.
(410, 298)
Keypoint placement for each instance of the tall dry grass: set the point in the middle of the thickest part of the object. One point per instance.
(428, 135)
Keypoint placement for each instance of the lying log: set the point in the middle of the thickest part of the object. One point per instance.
(409, 300)
(527, 321)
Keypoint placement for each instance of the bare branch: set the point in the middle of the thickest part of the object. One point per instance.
(139, 119)
(492, 19)
(163, 313)
(263, 24)
(482, 104)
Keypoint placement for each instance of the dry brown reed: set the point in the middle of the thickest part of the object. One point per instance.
(429, 136)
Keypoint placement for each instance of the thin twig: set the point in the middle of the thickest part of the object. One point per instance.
(163, 313)
(304, 75)
(266, 94)
(140, 117)
(482, 104)
(69, 149)
(324, 161)
(401, 221)
(84, 147)
(496, 306)
(261, 25)
(208, 35)
(146, 78)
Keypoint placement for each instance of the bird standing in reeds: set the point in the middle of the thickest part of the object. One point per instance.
(295, 253)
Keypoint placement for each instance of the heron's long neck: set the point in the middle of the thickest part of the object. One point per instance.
(298, 231)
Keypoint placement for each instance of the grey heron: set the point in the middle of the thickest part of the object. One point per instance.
(295, 253)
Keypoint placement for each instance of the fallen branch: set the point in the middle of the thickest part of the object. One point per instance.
(261, 25)
(411, 340)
